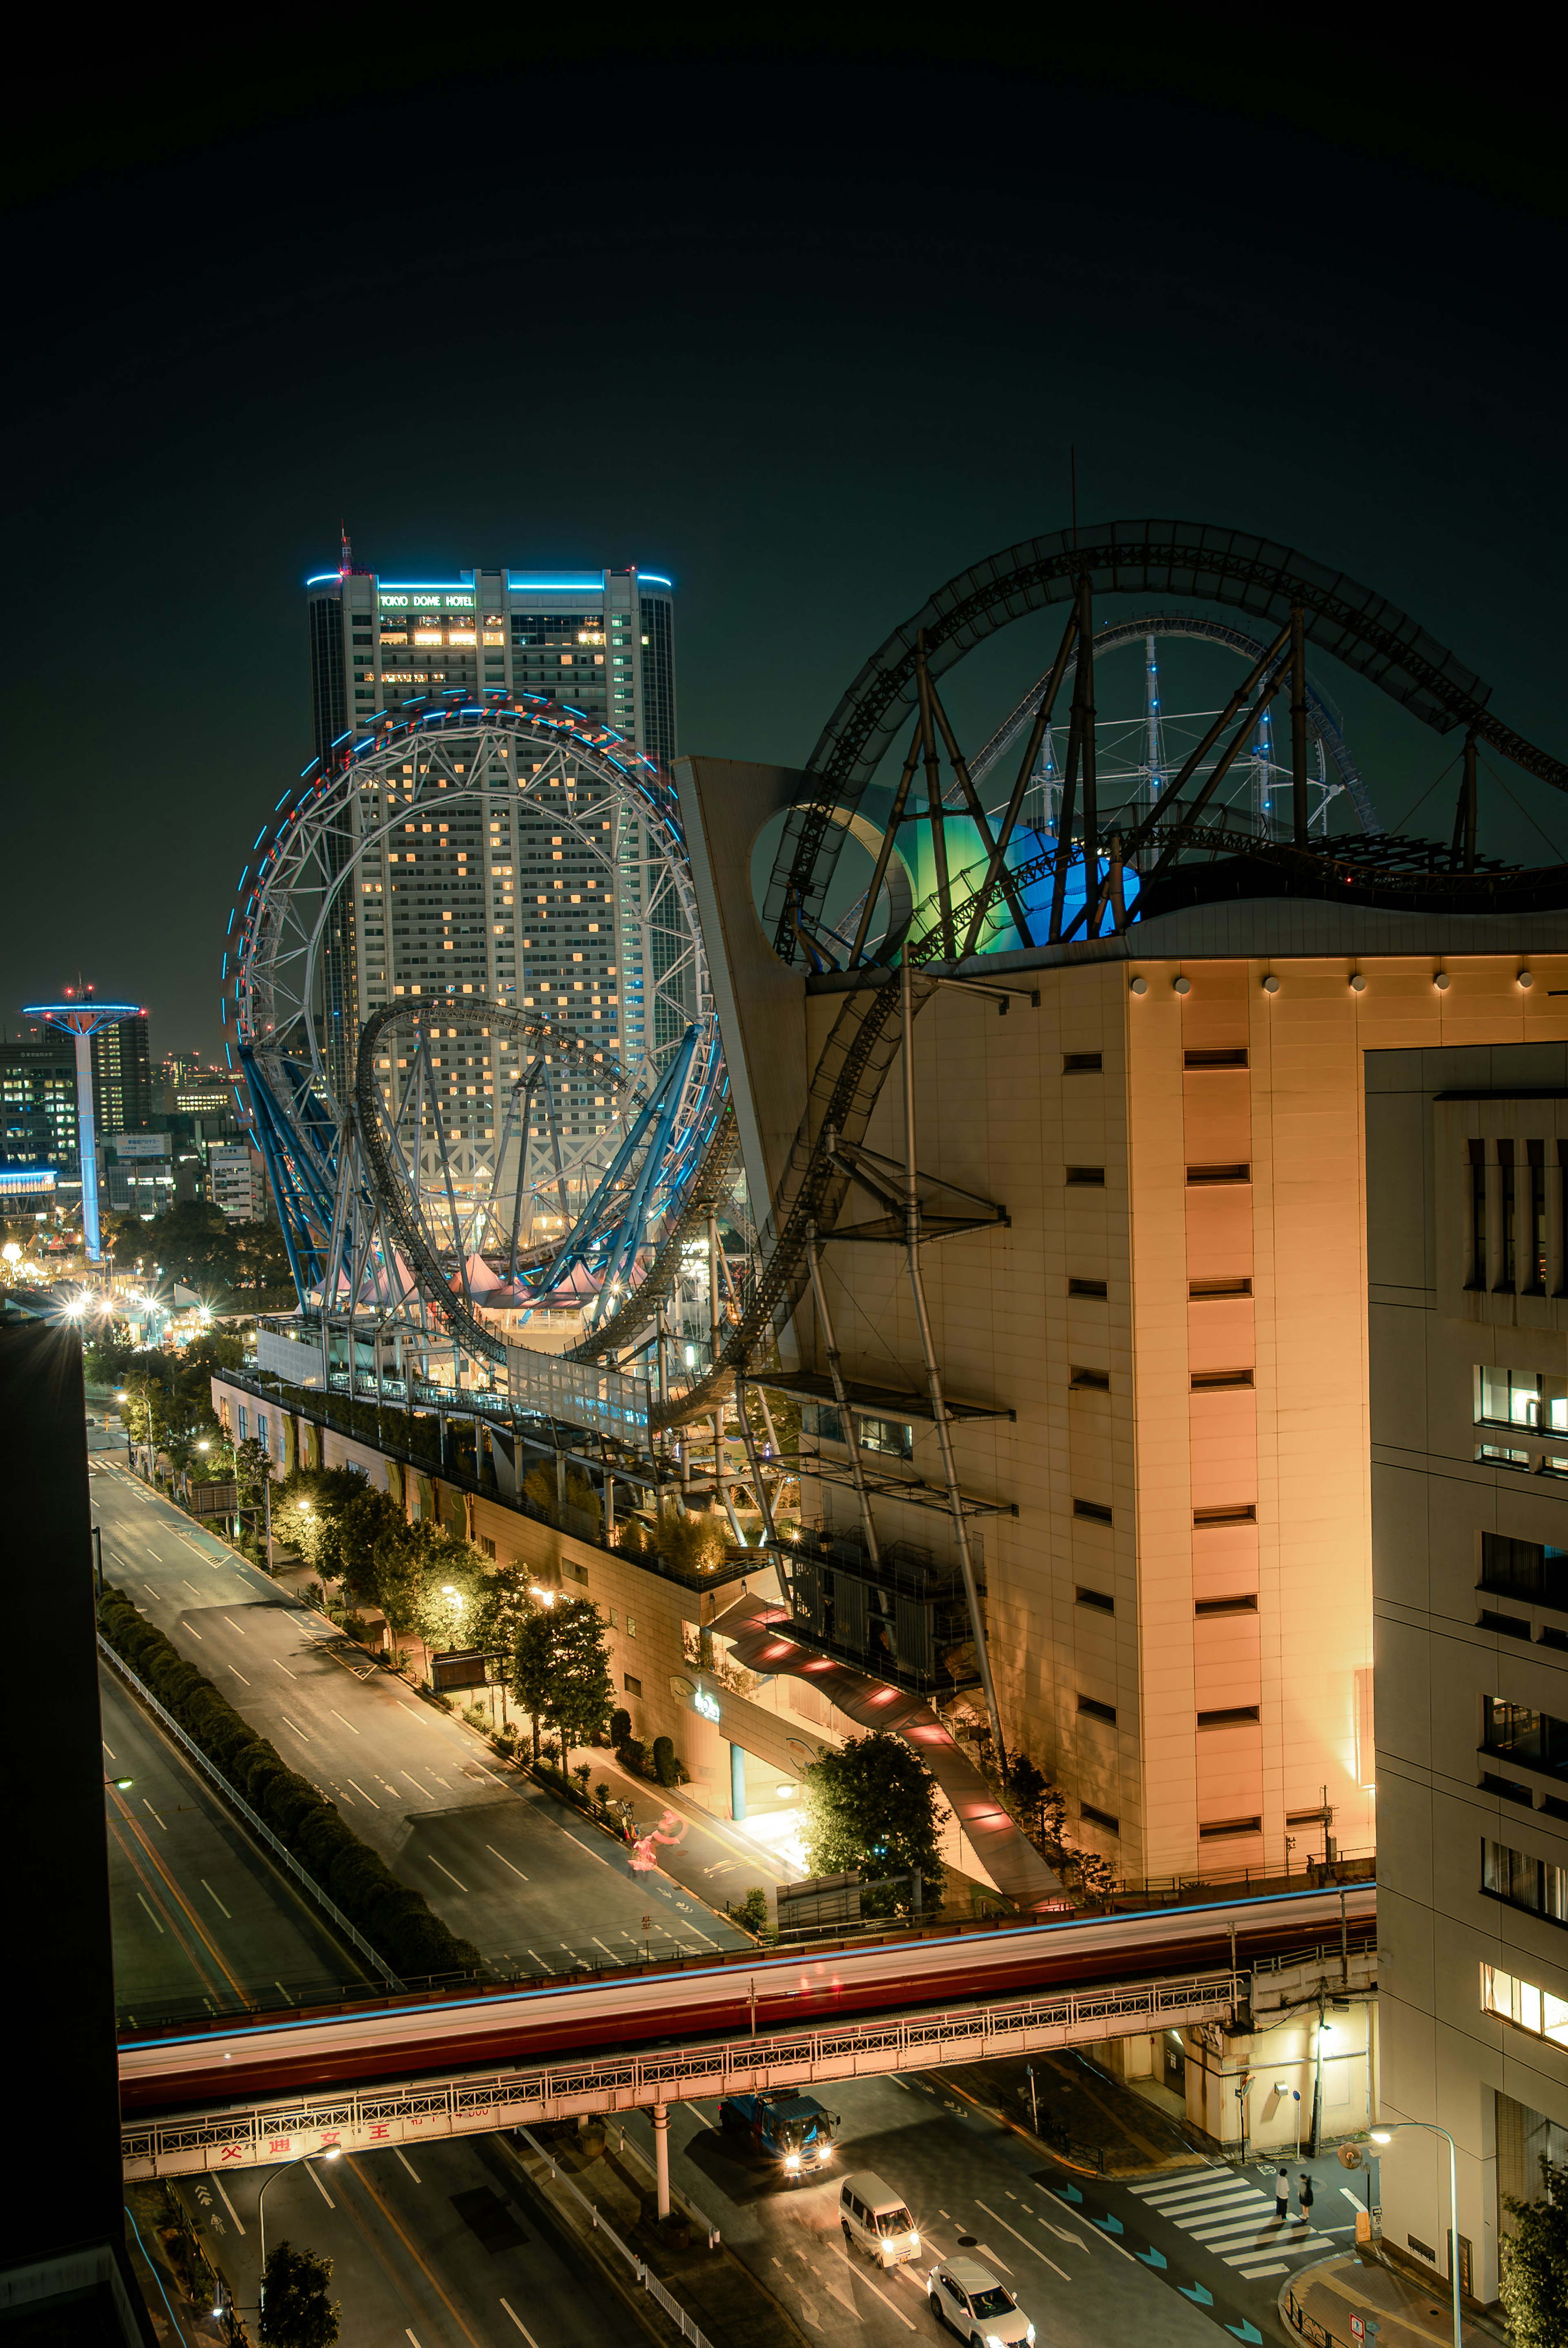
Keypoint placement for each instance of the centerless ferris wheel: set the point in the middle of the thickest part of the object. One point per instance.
(478, 1139)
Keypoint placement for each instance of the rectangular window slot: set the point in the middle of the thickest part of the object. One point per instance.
(1234, 1716)
(1215, 1059)
(1204, 1381)
(1534, 1400)
(630, 1686)
(1550, 1635)
(1096, 1381)
(1089, 1707)
(1530, 1739)
(1219, 1827)
(1096, 1598)
(1093, 1510)
(1247, 1605)
(1490, 1783)
(1524, 2003)
(1199, 1174)
(1422, 2250)
(1534, 1570)
(1245, 1513)
(1081, 1063)
(1508, 1626)
(1094, 1818)
(1520, 1881)
(1093, 1175)
(1086, 1288)
(1477, 1215)
(1201, 1291)
(1553, 1807)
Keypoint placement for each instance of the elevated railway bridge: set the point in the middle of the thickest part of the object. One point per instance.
(410, 2069)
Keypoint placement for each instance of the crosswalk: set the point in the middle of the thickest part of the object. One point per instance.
(1233, 2220)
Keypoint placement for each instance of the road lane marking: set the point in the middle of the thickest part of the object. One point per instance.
(191, 1587)
(235, 1626)
(360, 1789)
(408, 2165)
(315, 2180)
(148, 1585)
(365, 2186)
(228, 2204)
(213, 1896)
(881, 2296)
(494, 1854)
(599, 1944)
(1034, 2247)
(522, 2328)
(986, 2251)
(194, 1634)
(445, 1870)
(238, 1675)
(283, 1667)
(413, 1781)
(147, 1804)
(1105, 2238)
(1062, 2235)
(108, 1748)
(1354, 2199)
(347, 1724)
(295, 1726)
(149, 1911)
(540, 1962)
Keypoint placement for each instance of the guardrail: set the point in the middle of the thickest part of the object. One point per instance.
(237, 1801)
(639, 2267)
(371, 2118)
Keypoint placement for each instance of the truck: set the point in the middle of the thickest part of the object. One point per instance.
(783, 2127)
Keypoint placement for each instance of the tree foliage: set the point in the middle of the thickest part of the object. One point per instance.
(874, 1809)
(393, 1918)
(560, 1670)
(296, 2310)
(1535, 2263)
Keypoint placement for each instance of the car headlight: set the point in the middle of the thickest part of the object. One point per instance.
(1028, 2336)
(792, 2160)
(914, 2241)
(994, 2340)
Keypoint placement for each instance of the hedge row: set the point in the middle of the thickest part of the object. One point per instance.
(393, 1918)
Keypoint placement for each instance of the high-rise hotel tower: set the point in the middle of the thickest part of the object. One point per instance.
(600, 642)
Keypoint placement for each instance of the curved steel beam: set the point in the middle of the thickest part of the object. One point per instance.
(1198, 560)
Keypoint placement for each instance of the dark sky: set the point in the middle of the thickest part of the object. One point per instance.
(807, 327)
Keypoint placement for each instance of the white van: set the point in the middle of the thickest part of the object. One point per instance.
(876, 2220)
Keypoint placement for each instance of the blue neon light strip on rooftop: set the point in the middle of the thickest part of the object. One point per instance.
(320, 577)
(428, 586)
(652, 579)
(539, 583)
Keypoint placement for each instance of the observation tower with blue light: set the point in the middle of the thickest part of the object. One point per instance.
(83, 1015)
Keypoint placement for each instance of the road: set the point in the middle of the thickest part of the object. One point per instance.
(538, 1888)
(1168, 2261)
(432, 2247)
(201, 1917)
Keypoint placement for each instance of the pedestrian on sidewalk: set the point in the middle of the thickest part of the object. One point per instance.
(1304, 2195)
(1281, 2196)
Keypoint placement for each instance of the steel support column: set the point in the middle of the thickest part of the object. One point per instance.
(933, 1374)
(1299, 723)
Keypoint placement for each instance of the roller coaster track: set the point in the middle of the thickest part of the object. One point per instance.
(1195, 560)
(387, 1179)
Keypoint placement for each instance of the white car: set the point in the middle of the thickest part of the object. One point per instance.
(970, 2301)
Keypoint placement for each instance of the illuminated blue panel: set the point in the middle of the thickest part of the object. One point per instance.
(541, 582)
(425, 586)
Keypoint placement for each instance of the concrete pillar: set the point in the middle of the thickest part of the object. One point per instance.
(737, 1782)
(661, 2155)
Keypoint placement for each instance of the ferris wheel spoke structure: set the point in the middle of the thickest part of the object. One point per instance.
(435, 1143)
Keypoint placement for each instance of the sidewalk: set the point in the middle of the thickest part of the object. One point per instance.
(1317, 2305)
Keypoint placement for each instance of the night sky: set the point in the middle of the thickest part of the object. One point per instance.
(807, 328)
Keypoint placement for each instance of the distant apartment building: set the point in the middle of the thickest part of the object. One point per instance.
(38, 1103)
(145, 1174)
(123, 1094)
(237, 1181)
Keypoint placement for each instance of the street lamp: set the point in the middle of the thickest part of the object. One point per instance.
(1385, 2134)
(329, 2152)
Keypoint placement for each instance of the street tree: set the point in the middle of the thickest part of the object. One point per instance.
(561, 1672)
(296, 2310)
(872, 1808)
(1535, 2263)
